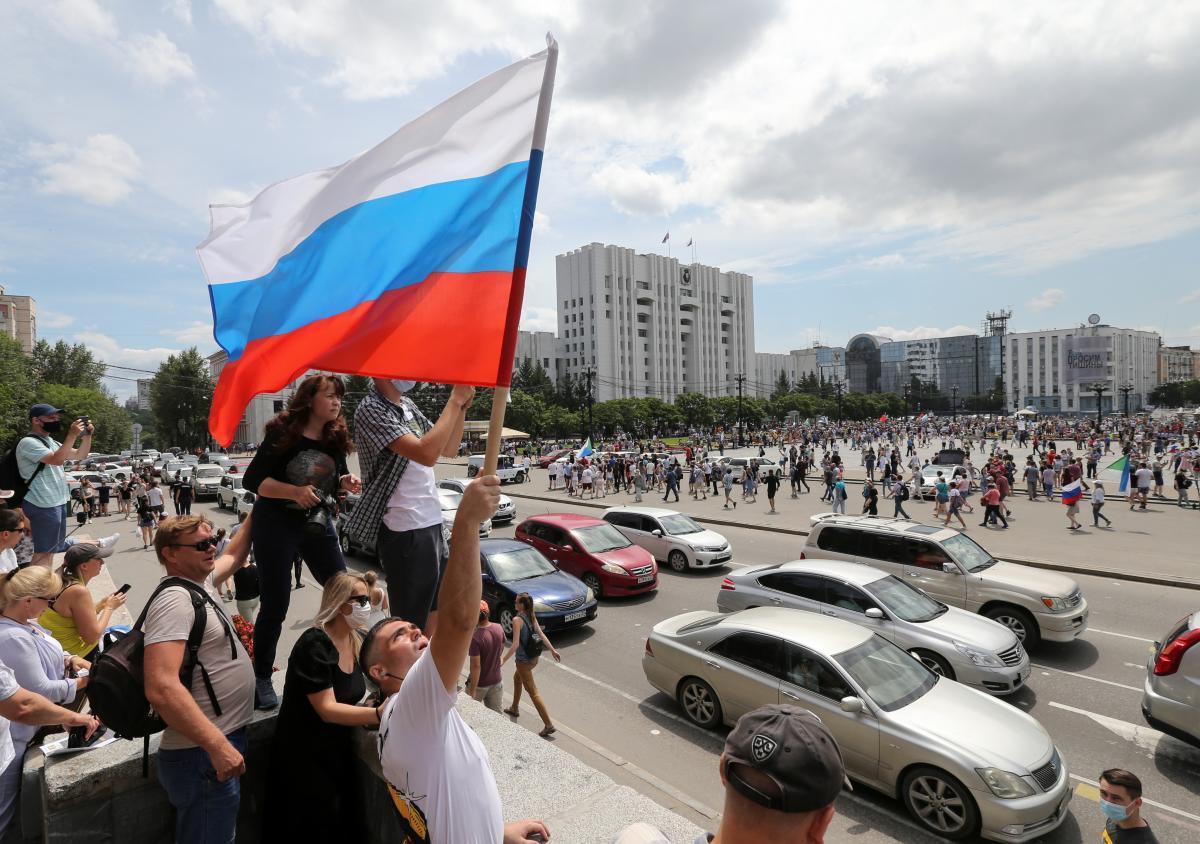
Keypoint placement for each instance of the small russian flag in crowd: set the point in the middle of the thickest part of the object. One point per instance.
(1072, 492)
(408, 261)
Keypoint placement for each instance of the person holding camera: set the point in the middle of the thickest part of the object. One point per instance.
(40, 460)
(296, 472)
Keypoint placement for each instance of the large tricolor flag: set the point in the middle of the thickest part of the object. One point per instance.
(1072, 492)
(408, 261)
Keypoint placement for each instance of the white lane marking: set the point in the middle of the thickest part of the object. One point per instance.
(1088, 677)
(1145, 800)
(1136, 665)
(1121, 635)
(1146, 738)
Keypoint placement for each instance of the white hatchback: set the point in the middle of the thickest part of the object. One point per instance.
(672, 537)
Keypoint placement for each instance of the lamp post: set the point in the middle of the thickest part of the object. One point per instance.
(1099, 390)
(1125, 391)
(954, 403)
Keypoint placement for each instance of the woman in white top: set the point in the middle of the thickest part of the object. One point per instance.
(1098, 505)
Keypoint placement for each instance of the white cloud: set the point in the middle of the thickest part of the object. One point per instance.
(539, 319)
(156, 59)
(100, 171)
(1188, 298)
(53, 319)
(198, 333)
(883, 262)
(921, 332)
(181, 9)
(636, 191)
(1050, 297)
(541, 223)
(79, 20)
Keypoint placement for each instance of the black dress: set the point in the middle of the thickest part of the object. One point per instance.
(311, 794)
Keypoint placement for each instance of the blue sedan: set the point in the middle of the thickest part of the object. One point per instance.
(510, 567)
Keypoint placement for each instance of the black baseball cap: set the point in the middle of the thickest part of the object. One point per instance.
(43, 409)
(79, 554)
(794, 749)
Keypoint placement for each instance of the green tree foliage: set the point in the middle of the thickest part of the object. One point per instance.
(782, 386)
(527, 413)
(695, 409)
(16, 392)
(113, 424)
(69, 365)
(357, 389)
(561, 423)
(531, 378)
(180, 397)
(1175, 394)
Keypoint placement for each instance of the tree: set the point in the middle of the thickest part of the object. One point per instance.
(114, 427)
(560, 422)
(16, 391)
(532, 378)
(180, 396)
(357, 389)
(695, 409)
(782, 385)
(526, 413)
(72, 366)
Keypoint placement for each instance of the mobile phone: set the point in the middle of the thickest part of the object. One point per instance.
(86, 420)
(123, 589)
(75, 738)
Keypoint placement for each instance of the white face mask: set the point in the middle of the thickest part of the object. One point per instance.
(359, 615)
(404, 386)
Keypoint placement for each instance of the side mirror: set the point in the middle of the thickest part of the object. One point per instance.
(874, 612)
(657, 532)
(852, 704)
(949, 568)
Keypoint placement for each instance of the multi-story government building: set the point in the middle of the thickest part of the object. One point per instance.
(648, 325)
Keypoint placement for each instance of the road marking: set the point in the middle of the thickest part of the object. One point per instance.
(1088, 677)
(1136, 665)
(1087, 788)
(1121, 635)
(1146, 738)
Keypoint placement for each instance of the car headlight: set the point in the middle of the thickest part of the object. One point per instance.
(1004, 784)
(538, 606)
(591, 596)
(1055, 604)
(613, 568)
(977, 656)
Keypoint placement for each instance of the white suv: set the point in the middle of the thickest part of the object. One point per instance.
(671, 537)
(949, 565)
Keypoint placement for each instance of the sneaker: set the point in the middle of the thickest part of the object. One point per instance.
(107, 544)
(264, 694)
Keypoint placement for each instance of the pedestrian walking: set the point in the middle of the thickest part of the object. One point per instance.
(485, 682)
(899, 496)
(728, 484)
(672, 479)
(839, 497)
(1182, 484)
(992, 509)
(772, 482)
(1098, 505)
(954, 508)
(1121, 803)
(528, 641)
(870, 498)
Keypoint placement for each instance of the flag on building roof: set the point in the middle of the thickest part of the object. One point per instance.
(690, 241)
(666, 237)
(587, 450)
(1072, 492)
(407, 261)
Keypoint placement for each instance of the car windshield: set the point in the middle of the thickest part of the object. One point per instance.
(214, 472)
(599, 538)
(968, 552)
(449, 500)
(905, 601)
(889, 676)
(679, 524)
(521, 564)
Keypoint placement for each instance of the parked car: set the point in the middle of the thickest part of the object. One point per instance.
(228, 491)
(671, 537)
(170, 467)
(510, 567)
(446, 499)
(244, 502)
(505, 513)
(963, 763)
(929, 477)
(507, 470)
(592, 550)
(1171, 696)
(546, 459)
(949, 457)
(955, 569)
(739, 465)
(205, 480)
(957, 644)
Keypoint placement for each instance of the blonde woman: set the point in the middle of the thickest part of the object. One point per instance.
(37, 661)
(74, 618)
(525, 626)
(310, 783)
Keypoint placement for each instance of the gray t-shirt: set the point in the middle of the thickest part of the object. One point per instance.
(170, 620)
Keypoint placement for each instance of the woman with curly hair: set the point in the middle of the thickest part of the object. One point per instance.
(298, 468)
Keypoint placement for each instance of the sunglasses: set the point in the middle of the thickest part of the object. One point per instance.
(361, 600)
(201, 546)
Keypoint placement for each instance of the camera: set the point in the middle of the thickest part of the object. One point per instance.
(318, 518)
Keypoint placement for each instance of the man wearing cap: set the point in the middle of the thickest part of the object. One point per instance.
(485, 682)
(40, 460)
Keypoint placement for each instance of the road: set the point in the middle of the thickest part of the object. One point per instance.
(1086, 694)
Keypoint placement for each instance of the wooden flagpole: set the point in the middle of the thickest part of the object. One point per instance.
(491, 455)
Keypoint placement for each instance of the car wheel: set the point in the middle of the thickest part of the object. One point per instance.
(520, 477)
(934, 663)
(699, 702)
(344, 541)
(220, 503)
(592, 581)
(1019, 622)
(505, 614)
(677, 560)
(472, 471)
(940, 803)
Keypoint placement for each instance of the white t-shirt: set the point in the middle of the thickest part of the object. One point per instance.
(8, 560)
(8, 688)
(436, 767)
(154, 496)
(414, 502)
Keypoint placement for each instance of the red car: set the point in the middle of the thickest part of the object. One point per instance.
(546, 459)
(592, 550)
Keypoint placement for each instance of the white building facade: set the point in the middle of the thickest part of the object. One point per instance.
(1052, 371)
(820, 362)
(538, 347)
(647, 325)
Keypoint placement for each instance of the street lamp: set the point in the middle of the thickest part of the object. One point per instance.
(1099, 390)
(1125, 391)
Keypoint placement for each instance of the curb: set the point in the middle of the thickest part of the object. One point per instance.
(1116, 574)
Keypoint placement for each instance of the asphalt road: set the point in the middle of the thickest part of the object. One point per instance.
(1086, 694)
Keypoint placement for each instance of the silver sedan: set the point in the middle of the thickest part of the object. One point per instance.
(964, 763)
(955, 643)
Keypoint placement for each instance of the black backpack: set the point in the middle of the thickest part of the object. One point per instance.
(904, 493)
(10, 473)
(116, 690)
(533, 644)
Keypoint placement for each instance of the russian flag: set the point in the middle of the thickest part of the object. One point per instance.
(1072, 492)
(408, 261)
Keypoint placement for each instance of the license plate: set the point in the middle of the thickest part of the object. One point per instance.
(1025, 674)
(645, 578)
(718, 560)
(574, 616)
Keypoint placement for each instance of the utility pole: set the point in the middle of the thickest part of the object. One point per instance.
(1125, 391)
(954, 403)
(741, 379)
(1099, 390)
(838, 386)
(589, 374)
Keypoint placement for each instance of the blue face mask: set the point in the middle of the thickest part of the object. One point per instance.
(404, 386)
(1112, 810)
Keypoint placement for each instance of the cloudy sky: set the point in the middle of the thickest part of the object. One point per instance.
(896, 167)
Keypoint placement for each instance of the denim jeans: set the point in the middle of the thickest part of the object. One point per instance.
(205, 810)
(278, 537)
(49, 526)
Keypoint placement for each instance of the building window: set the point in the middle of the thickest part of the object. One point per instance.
(608, 314)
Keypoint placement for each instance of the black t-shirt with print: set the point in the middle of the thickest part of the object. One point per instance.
(1113, 834)
(303, 463)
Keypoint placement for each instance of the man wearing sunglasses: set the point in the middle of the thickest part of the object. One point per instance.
(200, 759)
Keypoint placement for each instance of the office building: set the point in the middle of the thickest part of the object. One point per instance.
(538, 347)
(820, 362)
(18, 319)
(864, 363)
(1053, 371)
(648, 325)
(1176, 363)
(143, 391)
(967, 361)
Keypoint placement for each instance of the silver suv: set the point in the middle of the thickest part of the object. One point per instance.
(953, 568)
(1171, 698)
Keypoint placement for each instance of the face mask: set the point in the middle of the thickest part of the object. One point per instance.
(359, 615)
(404, 386)
(1112, 810)
(52, 427)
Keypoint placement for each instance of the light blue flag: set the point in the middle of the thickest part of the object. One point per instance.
(587, 449)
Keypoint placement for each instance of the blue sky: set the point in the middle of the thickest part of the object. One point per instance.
(898, 168)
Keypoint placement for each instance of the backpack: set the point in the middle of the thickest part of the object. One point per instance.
(116, 690)
(532, 642)
(904, 493)
(10, 473)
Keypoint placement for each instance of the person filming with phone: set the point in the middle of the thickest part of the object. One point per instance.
(40, 459)
(74, 618)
